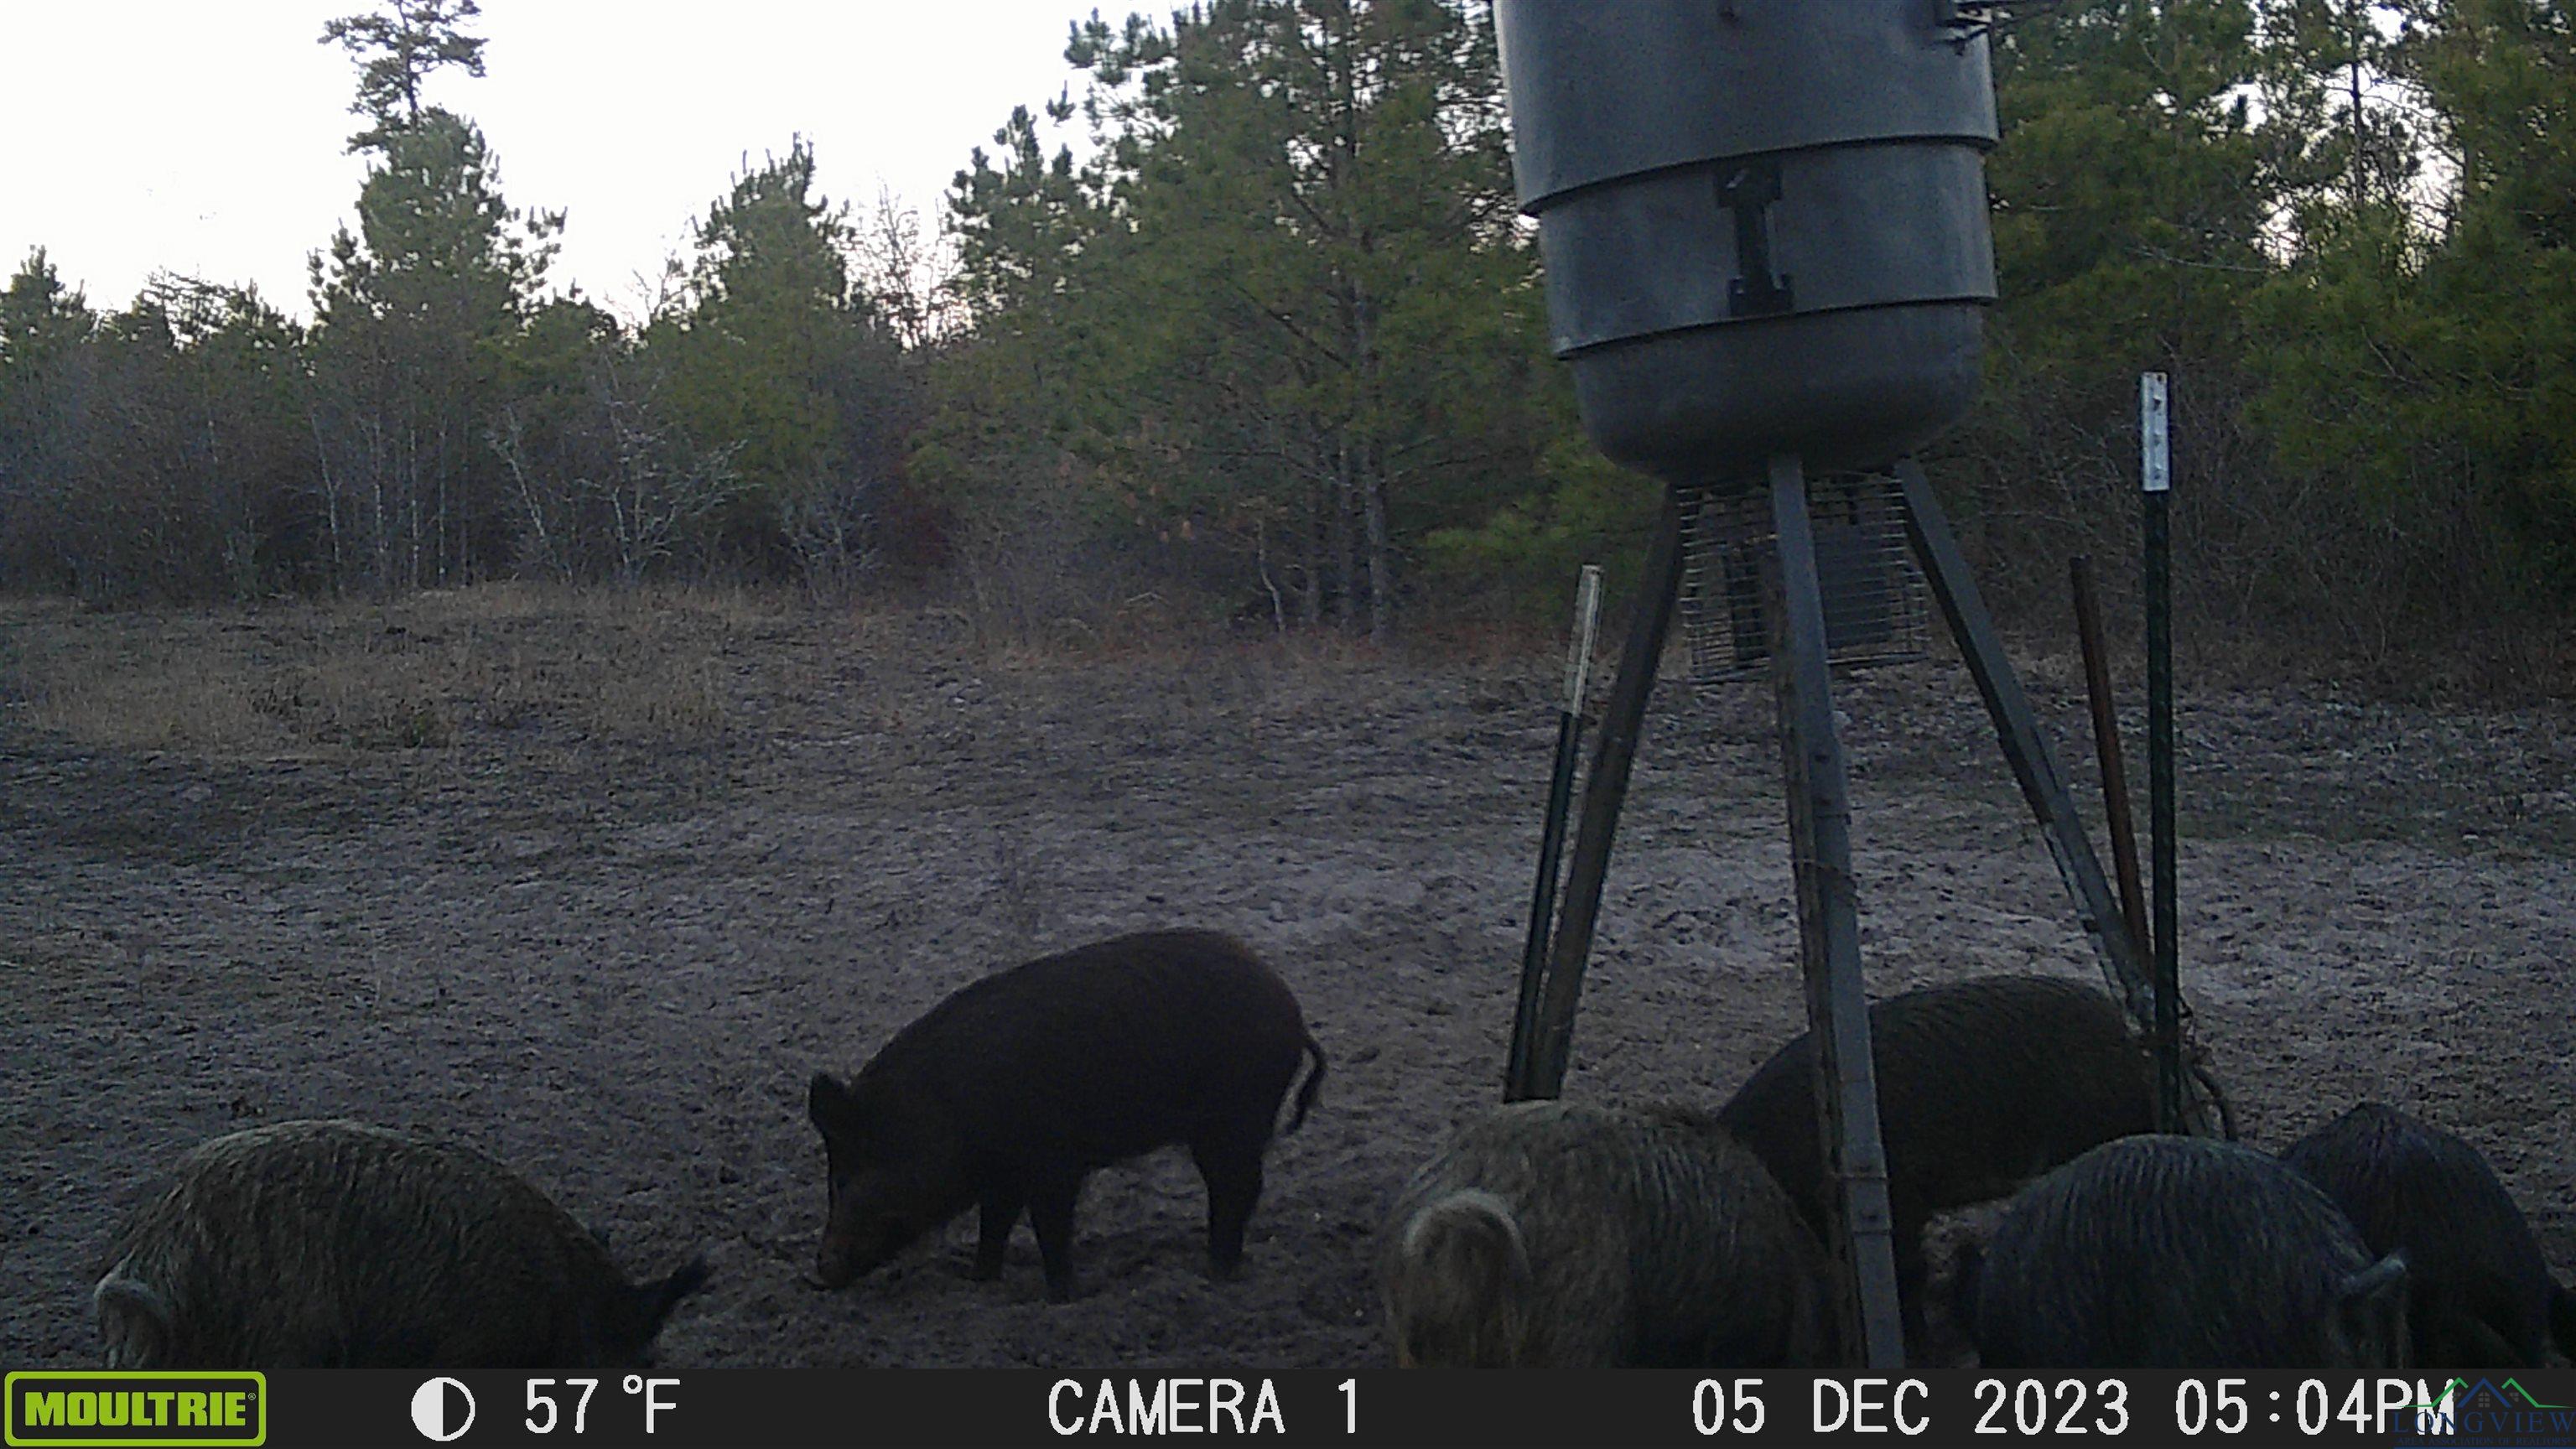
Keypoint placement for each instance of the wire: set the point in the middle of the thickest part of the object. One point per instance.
(1970, 20)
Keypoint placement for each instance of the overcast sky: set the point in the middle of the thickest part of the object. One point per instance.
(208, 138)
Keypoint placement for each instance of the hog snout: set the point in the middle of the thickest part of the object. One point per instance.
(835, 1265)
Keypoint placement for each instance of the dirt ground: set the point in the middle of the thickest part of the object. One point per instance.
(610, 944)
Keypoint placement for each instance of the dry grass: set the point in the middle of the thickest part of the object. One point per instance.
(516, 665)
(421, 673)
(146, 699)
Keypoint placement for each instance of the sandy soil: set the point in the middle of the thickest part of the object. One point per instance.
(615, 965)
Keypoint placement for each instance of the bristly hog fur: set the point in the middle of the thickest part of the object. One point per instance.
(2479, 1291)
(1982, 1085)
(1007, 1094)
(330, 1244)
(2185, 1253)
(1559, 1235)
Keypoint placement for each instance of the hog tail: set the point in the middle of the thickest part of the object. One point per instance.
(662, 1297)
(2217, 1099)
(1306, 1093)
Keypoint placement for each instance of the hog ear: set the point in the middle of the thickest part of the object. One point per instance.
(831, 1106)
(2374, 1304)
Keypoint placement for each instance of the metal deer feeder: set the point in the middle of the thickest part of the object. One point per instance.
(1763, 226)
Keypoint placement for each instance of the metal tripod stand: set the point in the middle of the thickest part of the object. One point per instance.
(1820, 844)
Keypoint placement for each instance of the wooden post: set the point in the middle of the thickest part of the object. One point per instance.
(2116, 816)
(1605, 789)
(1829, 929)
(1551, 843)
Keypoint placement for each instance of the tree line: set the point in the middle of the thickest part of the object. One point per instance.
(1245, 318)
(446, 416)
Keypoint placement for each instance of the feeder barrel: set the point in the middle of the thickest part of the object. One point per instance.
(1763, 225)
(1604, 91)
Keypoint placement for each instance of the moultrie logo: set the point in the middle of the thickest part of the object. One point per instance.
(136, 1410)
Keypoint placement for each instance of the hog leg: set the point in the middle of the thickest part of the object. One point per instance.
(1907, 1217)
(1911, 1273)
(996, 1214)
(1230, 1161)
(1051, 1200)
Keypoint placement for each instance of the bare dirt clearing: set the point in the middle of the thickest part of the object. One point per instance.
(597, 887)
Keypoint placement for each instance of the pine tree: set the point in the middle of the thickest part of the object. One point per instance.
(45, 327)
(2132, 199)
(1277, 311)
(775, 357)
(2422, 363)
(397, 50)
(415, 315)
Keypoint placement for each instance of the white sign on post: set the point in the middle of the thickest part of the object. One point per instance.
(2157, 471)
(1587, 622)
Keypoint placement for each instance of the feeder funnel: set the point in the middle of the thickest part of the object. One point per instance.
(1763, 222)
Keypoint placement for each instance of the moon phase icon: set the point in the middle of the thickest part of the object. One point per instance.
(442, 1409)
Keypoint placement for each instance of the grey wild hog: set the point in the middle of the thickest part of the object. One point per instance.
(1006, 1095)
(340, 1245)
(1557, 1235)
(2481, 1293)
(1982, 1085)
(2185, 1253)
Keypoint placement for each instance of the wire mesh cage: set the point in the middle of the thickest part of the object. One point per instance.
(1874, 598)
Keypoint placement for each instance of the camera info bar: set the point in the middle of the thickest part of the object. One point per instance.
(754, 1407)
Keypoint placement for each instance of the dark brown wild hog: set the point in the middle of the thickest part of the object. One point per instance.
(340, 1245)
(1556, 1235)
(2183, 1253)
(1982, 1086)
(1006, 1095)
(2480, 1293)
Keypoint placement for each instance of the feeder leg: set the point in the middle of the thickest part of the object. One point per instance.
(1604, 791)
(1829, 929)
(2024, 748)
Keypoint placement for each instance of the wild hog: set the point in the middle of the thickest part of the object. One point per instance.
(340, 1245)
(1982, 1085)
(1556, 1235)
(1008, 1093)
(2184, 1253)
(2481, 1293)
